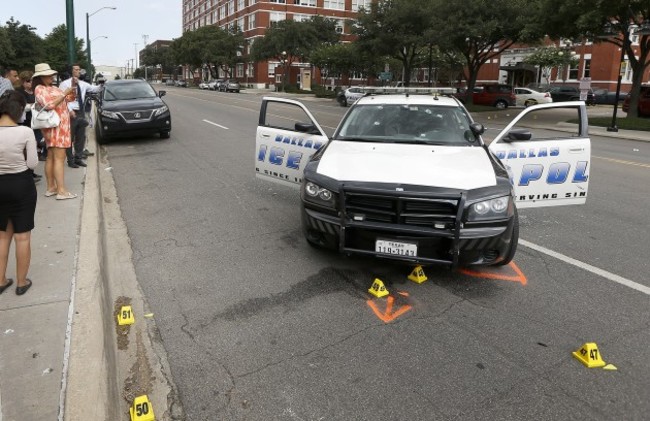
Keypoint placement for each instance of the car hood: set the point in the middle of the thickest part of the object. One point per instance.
(133, 104)
(456, 167)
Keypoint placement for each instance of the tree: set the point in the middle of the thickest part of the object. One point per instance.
(589, 18)
(7, 52)
(56, 50)
(26, 47)
(479, 30)
(396, 28)
(289, 41)
(338, 59)
(548, 58)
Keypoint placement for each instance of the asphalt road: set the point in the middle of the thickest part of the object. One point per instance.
(260, 326)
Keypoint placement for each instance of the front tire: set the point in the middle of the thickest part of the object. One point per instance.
(530, 102)
(99, 135)
(501, 104)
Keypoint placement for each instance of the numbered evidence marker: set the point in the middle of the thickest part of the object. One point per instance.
(589, 355)
(418, 275)
(378, 289)
(141, 410)
(125, 316)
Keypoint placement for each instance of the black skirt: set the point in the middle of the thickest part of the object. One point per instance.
(17, 201)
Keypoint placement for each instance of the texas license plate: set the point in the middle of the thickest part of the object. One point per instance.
(397, 248)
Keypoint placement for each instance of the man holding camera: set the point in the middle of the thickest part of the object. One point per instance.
(78, 122)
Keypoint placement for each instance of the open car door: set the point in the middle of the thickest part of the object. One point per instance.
(287, 136)
(547, 167)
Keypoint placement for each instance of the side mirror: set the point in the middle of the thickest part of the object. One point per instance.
(162, 93)
(477, 128)
(306, 128)
(517, 134)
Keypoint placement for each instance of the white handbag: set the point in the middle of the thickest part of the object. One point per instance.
(44, 119)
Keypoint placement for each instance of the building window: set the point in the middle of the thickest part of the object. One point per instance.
(277, 16)
(357, 4)
(277, 1)
(231, 7)
(334, 4)
(298, 17)
(310, 3)
(271, 69)
(239, 70)
(573, 72)
(251, 21)
(240, 5)
(240, 23)
(586, 72)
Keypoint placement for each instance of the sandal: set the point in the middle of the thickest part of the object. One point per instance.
(23, 289)
(66, 195)
(7, 285)
(49, 193)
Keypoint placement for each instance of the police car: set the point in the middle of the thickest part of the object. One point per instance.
(409, 177)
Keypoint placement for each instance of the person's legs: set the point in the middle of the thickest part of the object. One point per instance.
(79, 138)
(58, 168)
(23, 256)
(49, 171)
(5, 244)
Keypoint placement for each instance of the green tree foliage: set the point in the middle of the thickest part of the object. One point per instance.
(7, 52)
(480, 30)
(25, 46)
(396, 28)
(162, 57)
(548, 58)
(589, 18)
(56, 50)
(336, 60)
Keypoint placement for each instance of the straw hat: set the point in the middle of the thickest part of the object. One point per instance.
(43, 69)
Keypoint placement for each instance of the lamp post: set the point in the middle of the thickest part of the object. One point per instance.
(284, 73)
(88, 15)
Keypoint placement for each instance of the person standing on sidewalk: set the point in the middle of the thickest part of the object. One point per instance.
(8, 80)
(17, 190)
(78, 121)
(57, 138)
(28, 93)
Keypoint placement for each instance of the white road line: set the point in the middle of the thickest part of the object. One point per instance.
(215, 124)
(600, 272)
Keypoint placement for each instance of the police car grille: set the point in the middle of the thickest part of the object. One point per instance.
(425, 212)
(136, 115)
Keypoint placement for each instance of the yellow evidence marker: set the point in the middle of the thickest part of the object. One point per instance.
(589, 355)
(418, 275)
(125, 316)
(142, 410)
(378, 289)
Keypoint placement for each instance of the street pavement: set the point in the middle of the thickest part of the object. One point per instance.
(54, 361)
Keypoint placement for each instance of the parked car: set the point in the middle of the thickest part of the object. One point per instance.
(561, 93)
(527, 97)
(603, 96)
(170, 82)
(204, 85)
(497, 95)
(215, 84)
(181, 83)
(644, 102)
(130, 107)
(349, 96)
(229, 86)
(408, 177)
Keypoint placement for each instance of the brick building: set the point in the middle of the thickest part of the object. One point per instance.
(598, 61)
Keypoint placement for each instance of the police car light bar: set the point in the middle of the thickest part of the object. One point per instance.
(404, 90)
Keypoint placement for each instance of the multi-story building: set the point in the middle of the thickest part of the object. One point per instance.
(597, 61)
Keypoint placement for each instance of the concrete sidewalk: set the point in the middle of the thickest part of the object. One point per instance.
(34, 328)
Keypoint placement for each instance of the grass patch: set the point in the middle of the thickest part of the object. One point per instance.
(626, 123)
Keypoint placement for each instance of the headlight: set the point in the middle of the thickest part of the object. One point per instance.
(160, 110)
(317, 194)
(498, 208)
(110, 114)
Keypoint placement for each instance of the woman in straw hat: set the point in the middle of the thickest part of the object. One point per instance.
(58, 138)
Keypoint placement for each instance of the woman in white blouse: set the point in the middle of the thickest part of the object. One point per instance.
(17, 190)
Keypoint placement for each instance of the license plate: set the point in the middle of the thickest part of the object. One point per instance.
(397, 248)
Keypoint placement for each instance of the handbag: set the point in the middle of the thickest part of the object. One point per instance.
(44, 119)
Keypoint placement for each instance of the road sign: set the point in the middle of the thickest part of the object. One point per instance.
(386, 76)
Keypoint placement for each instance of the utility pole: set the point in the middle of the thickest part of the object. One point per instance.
(69, 19)
(145, 38)
(135, 51)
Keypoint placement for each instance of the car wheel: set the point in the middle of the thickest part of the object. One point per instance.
(530, 102)
(165, 135)
(99, 134)
(501, 104)
(514, 240)
(343, 102)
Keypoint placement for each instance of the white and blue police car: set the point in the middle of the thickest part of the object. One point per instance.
(409, 176)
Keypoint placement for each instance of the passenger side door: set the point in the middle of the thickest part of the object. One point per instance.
(547, 167)
(286, 138)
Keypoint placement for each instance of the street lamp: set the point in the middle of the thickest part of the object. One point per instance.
(284, 73)
(88, 15)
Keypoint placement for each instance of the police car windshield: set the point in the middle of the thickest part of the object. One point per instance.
(125, 91)
(401, 123)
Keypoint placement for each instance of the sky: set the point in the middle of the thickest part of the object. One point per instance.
(124, 26)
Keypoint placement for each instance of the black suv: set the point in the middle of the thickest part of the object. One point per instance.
(561, 93)
(130, 107)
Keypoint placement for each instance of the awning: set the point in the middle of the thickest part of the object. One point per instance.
(519, 67)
